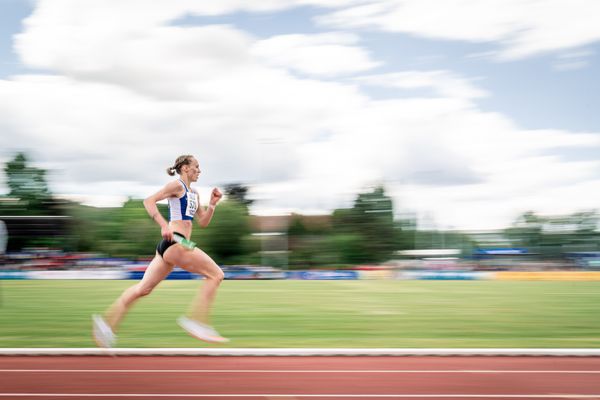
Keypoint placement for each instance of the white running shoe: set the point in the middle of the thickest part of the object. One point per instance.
(103, 334)
(201, 331)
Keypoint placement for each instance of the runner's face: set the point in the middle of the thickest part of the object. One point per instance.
(193, 170)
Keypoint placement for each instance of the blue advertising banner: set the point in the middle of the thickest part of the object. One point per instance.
(445, 275)
(175, 274)
(323, 275)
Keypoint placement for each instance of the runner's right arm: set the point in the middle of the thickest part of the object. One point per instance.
(171, 189)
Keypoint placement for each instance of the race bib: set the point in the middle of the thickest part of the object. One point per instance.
(192, 204)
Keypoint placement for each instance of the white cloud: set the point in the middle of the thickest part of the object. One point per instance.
(120, 104)
(327, 54)
(522, 27)
(442, 82)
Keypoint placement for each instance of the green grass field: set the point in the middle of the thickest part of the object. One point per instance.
(314, 314)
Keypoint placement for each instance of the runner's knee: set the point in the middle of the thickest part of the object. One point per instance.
(217, 275)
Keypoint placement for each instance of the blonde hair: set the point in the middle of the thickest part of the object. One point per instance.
(179, 162)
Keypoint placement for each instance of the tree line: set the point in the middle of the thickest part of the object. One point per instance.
(368, 232)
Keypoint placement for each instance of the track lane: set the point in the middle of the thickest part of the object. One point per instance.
(265, 377)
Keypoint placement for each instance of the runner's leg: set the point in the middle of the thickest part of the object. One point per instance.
(198, 262)
(155, 273)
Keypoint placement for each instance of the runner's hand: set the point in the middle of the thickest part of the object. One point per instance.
(215, 196)
(167, 233)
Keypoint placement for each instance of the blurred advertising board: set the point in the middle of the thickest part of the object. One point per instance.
(323, 275)
(547, 276)
(443, 275)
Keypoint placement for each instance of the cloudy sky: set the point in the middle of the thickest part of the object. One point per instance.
(468, 111)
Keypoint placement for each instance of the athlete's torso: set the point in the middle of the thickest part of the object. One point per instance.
(182, 210)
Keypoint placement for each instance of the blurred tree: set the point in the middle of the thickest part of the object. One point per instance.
(585, 221)
(27, 186)
(296, 227)
(135, 234)
(365, 233)
(226, 237)
(351, 248)
(551, 236)
(372, 220)
(310, 242)
(526, 231)
(34, 217)
(238, 192)
(405, 233)
(125, 231)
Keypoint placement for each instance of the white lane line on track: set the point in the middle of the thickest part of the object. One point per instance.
(494, 396)
(288, 352)
(317, 371)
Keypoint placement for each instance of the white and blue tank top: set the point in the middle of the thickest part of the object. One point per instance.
(184, 207)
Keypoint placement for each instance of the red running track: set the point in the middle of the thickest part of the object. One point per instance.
(147, 377)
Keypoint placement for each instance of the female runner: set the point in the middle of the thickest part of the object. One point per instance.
(174, 249)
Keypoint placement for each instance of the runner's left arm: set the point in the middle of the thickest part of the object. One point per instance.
(204, 215)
